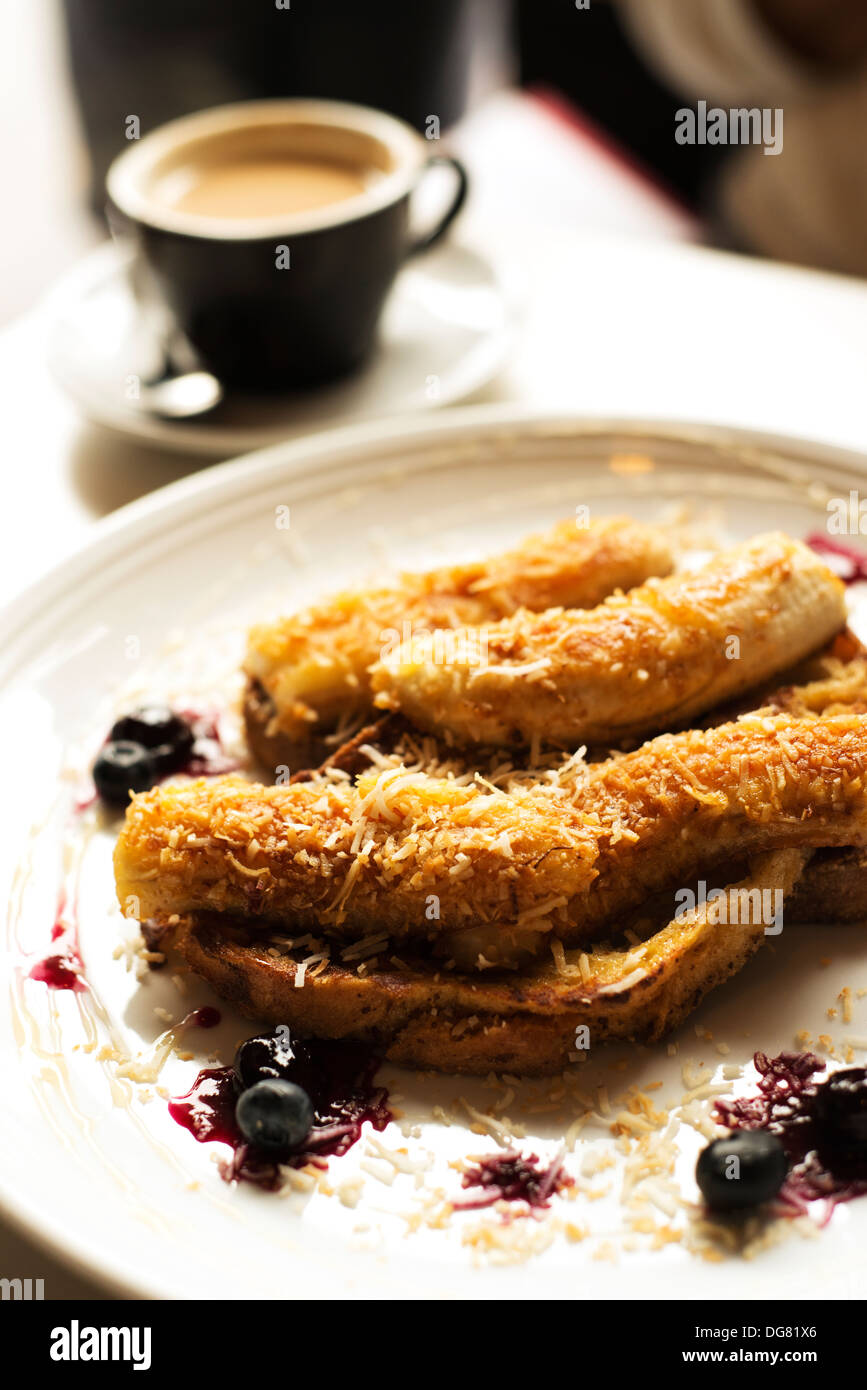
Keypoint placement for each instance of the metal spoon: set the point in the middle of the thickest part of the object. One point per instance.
(171, 381)
(180, 395)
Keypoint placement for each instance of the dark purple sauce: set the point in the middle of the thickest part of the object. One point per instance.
(63, 969)
(59, 972)
(207, 1017)
(207, 758)
(850, 564)
(337, 1076)
(786, 1107)
(511, 1177)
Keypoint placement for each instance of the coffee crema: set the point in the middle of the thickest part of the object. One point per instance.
(272, 186)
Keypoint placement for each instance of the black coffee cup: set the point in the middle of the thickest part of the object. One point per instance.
(286, 301)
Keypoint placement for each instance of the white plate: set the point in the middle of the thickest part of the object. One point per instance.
(446, 330)
(156, 604)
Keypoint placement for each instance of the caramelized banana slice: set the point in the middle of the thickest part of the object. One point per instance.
(697, 949)
(490, 876)
(308, 672)
(398, 853)
(642, 661)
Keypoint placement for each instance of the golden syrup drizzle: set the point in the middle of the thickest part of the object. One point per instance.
(42, 1038)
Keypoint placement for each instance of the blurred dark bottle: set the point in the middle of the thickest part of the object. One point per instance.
(163, 58)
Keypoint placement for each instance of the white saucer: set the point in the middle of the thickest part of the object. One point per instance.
(445, 332)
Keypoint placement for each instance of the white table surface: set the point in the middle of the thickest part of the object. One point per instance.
(622, 317)
(612, 327)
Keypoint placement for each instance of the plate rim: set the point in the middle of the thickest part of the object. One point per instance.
(232, 476)
(291, 459)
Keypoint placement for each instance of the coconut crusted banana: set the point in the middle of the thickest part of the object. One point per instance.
(308, 672)
(641, 661)
(489, 876)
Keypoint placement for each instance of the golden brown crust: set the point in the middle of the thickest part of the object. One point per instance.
(359, 858)
(485, 875)
(525, 1023)
(830, 681)
(313, 666)
(639, 662)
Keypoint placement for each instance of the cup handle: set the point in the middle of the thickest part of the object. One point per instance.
(428, 239)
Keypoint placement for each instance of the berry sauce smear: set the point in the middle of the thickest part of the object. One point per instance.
(821, 1123)
(847, 562)
(511, 1177)
(337, 1076)
(63, 968)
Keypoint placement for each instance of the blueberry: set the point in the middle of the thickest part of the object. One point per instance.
(747, 1168)
(263, 1059)
(166, 734)
(170, 757)
(122, 767)
(274, 1116)
(840, 1113)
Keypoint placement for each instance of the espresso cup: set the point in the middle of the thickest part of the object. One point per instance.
(275, 282)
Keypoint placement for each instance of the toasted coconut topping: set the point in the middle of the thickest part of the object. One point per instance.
(395, 852)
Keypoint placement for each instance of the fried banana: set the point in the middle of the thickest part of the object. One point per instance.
(308, 673)
(489, 877)
(639, 662)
